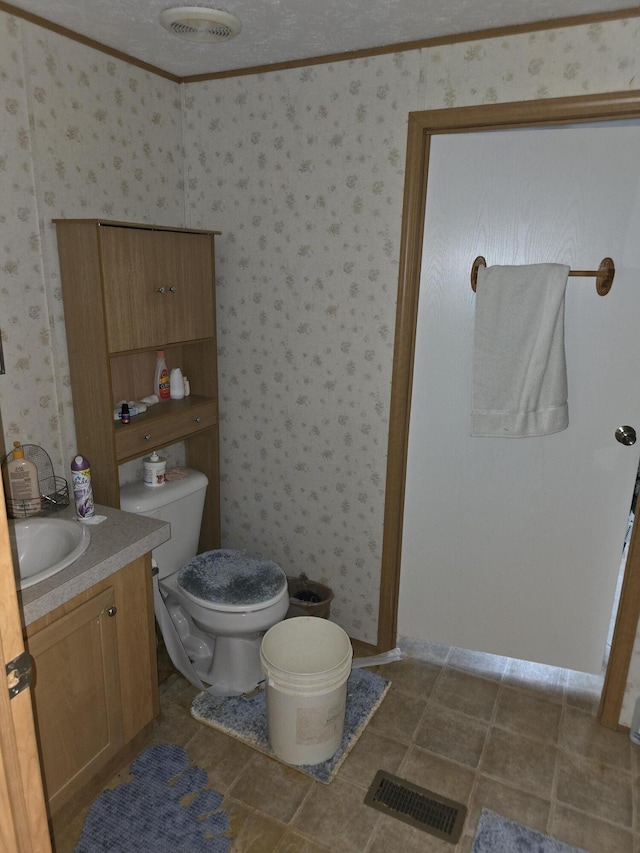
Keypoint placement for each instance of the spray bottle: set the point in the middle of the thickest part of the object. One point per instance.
(82, 490)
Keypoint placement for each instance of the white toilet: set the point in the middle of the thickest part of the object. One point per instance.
(221, 602)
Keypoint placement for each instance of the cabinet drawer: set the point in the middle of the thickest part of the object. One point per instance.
(161, 430)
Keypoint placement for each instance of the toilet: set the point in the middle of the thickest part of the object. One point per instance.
(221, 602)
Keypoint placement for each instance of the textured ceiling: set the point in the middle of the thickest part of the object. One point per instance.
(276, 31)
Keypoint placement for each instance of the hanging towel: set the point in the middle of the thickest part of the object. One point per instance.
(519, 367)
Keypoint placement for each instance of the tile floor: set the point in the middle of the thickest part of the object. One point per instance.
(515, 737)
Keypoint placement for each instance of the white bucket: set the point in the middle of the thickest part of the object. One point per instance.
(306, 663)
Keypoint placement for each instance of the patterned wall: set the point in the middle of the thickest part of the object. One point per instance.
(302, 171)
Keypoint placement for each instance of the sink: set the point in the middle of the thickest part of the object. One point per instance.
(45, 546)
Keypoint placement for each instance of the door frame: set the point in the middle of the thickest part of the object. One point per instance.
(421, 127)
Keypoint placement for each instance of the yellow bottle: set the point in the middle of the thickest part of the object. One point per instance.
(22, 488)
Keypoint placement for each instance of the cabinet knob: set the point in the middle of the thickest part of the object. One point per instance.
(147, 437)
(172, 289)
(198, 420)
(111, 611)
(160, 290)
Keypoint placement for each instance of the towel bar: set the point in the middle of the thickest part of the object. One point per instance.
(603, 275)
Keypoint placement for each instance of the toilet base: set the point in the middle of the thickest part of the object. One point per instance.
(230, 665)
(235, 666)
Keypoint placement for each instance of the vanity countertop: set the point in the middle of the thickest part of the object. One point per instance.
(115, 542)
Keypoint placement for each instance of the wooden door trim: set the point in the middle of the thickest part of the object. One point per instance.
(421, 126)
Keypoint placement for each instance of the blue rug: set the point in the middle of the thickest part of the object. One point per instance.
(245, 718)
(147, 813)
(497, 834)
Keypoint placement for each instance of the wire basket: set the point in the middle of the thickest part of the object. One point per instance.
(54, 490)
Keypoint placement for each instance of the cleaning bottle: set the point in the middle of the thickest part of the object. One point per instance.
(82, 489)
(161, 387)
(22, 484)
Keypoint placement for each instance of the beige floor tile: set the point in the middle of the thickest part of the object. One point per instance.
(175, 723)
(587, 832)
(252, 832)
(593, 787)
(452, 735)
(398, 716)
(478, 663)
(293, 842)
(224, 758)
(270, 787)
(336, 815)
(547, 682)
(584, 690)
(581, 733)
(523, 713)
(437, 775)
(394, 835)
(411, 676)
(522, 762)
(465, 693)
(507, 801)
(371, 753)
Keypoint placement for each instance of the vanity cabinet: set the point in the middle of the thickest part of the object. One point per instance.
(95, 690)
(128, 291)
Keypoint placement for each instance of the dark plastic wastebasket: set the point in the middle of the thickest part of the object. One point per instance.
(308, 598)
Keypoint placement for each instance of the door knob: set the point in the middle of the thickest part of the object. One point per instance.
(626, 435)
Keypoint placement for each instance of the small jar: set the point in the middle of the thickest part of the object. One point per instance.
(154, 468)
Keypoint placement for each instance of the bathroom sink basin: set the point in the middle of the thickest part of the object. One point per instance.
(45, 546)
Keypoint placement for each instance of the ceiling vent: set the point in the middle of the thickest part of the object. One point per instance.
(198, 24)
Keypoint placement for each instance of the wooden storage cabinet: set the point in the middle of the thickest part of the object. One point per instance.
(130, 290)
(96, 683)
(162, 278)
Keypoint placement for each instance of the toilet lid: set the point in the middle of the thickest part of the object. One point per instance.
(232, 579)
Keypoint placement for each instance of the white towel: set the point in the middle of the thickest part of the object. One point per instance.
(519, 367)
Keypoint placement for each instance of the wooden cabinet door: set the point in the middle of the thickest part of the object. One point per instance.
(77, 696)
(158, 287)
(189, 305)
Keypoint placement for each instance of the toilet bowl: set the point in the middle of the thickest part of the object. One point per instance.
(221, 602)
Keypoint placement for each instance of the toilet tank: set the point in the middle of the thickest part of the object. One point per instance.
(180, 502)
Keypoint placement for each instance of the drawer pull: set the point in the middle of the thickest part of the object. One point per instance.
(111, 611)
(147, 437)
(160, 290)
(172, 289)
(198, 420)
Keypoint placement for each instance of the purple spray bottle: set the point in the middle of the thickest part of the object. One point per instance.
(82, 490)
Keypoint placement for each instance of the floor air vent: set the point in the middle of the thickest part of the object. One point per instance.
(416, 806)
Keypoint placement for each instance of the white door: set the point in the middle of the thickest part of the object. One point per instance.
(513, 546)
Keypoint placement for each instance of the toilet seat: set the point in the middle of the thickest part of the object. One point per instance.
(232, 581)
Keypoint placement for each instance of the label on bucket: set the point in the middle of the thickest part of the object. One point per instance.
(317, 725)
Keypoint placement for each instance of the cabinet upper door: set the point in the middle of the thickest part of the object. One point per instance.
(158, 287)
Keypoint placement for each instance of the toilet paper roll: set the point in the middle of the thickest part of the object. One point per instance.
(173, 644)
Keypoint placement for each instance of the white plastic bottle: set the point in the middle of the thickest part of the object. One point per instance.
(176, 384)
(22, 485)
(161, 386)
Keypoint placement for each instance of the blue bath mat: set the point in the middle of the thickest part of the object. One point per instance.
(245, 718)
(147, 813)
(497, 834)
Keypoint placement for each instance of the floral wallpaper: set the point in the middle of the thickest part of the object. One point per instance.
(302, 171)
